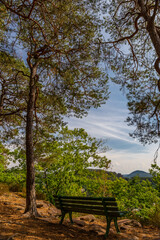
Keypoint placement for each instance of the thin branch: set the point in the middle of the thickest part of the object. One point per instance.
(127, 37)
(34, 1)
(123, 2)
(12, 113)
(25, 75)
(134, 55)
(155, 110)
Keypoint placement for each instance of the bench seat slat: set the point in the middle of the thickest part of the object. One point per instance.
(80, 207)
(83, 207)
(96, 212)
(87, 201)
(87, 198)
(91, 207)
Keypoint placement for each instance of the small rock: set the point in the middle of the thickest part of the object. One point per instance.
(89, 218)
(123, 236)
(98, 228)
(130, 222)
(79, 222)
(54, 212)
(135, 223)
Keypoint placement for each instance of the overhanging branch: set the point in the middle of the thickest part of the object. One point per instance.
(127, 37)
(12, 113)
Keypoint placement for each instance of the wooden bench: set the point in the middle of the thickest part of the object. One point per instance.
(106, 206)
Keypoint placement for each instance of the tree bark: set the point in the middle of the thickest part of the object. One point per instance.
(31, 208)
(154, 36)
(151, 27)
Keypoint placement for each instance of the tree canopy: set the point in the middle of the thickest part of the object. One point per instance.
(133, 47)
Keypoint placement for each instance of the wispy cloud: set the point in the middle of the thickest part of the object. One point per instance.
(108, 122)
(103, 126)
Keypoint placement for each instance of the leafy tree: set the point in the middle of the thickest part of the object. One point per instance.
(62, 164)
(59, 39)
(99, 183)
(133, 48)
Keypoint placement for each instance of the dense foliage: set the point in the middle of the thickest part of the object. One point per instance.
(62, 163)
(65, 169)
(139, 197)
(62, 169)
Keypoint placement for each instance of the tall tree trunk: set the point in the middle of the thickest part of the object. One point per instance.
(31, 208)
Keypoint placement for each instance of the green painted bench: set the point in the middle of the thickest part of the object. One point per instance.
(106, 206)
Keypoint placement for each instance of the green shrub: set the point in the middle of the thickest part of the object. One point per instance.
(154, 216)
(138, 197)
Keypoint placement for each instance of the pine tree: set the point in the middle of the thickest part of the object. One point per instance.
(60, 48)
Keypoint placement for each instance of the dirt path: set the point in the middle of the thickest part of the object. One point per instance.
(13, 225)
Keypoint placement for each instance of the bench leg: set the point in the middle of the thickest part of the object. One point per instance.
(116, 225)
(62, 217)
(70, 217)
(108, 226)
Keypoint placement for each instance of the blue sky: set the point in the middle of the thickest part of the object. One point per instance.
(108, 122)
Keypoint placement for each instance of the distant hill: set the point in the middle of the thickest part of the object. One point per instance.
(138, 173)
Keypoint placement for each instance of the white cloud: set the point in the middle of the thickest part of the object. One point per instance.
(127, 161)
(108, 122)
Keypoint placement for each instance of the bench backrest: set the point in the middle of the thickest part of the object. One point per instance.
(97, 206)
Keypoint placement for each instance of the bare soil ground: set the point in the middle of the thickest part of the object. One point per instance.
(14, 226)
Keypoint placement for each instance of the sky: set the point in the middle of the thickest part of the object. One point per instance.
(108, 123)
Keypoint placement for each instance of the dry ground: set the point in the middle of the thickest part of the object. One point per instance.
(14, 226)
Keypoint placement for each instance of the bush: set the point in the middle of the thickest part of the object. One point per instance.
(15, 179)
(136, 195)
(154, 216)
